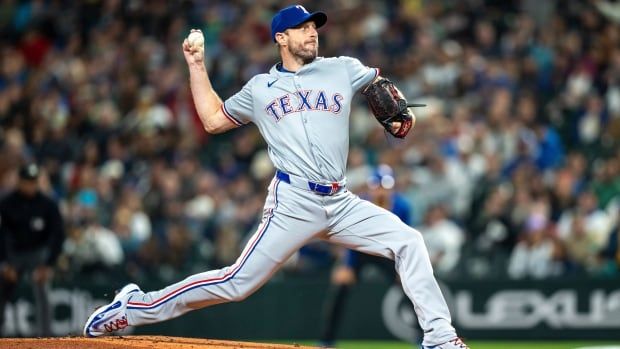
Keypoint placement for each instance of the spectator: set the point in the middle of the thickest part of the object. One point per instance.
(597, 223)
(610, 256)
(131, 225)
(31, 238)
(92, 247)
(535, 256)
(581, 248)
(492, 235)
(606, 182)
(444, 240)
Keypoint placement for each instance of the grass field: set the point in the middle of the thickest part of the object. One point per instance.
(484, 345)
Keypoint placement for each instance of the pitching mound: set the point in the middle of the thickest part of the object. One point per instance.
(155, 342)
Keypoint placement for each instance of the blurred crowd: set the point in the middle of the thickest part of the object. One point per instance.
(513, 169)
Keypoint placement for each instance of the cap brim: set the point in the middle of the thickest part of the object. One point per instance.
(319, 18)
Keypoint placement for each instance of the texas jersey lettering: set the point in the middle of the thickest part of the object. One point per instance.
(296, 111)
(307, 100)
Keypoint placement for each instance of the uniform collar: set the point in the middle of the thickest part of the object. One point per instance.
(279, 70)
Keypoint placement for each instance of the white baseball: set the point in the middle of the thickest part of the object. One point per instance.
(196, 40)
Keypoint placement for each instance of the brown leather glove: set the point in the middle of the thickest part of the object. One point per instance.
(389, 107)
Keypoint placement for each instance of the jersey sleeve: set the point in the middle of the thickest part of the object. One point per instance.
(359, 74)
(239, 108)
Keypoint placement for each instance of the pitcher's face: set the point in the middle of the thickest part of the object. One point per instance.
(303, 41)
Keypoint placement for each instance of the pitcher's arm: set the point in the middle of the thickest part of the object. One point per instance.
(208, 104)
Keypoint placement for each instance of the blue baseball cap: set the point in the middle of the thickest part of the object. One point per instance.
(293, 16)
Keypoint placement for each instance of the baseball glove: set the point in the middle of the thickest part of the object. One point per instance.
(388, 106)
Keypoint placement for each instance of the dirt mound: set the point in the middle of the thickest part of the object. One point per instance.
(155, 342)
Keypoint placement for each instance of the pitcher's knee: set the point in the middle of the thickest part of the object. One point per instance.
(238, 297)
(240, 292)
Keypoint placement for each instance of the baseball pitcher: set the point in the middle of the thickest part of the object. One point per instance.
(301, 107)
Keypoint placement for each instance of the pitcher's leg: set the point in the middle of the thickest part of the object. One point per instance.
(273, 243)
(371, 229)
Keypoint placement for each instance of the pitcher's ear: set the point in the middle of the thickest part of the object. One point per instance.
(280, 38)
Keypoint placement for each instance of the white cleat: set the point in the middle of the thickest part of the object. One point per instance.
(455, 343)
(110, 317)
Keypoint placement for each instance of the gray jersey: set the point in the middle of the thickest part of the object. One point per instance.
(304, 116)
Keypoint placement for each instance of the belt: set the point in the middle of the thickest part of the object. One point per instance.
(302, 183)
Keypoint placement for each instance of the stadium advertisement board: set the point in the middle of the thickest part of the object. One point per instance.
(559, 309)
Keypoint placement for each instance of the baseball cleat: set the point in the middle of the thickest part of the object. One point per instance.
(110, 317)
(455, 343)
